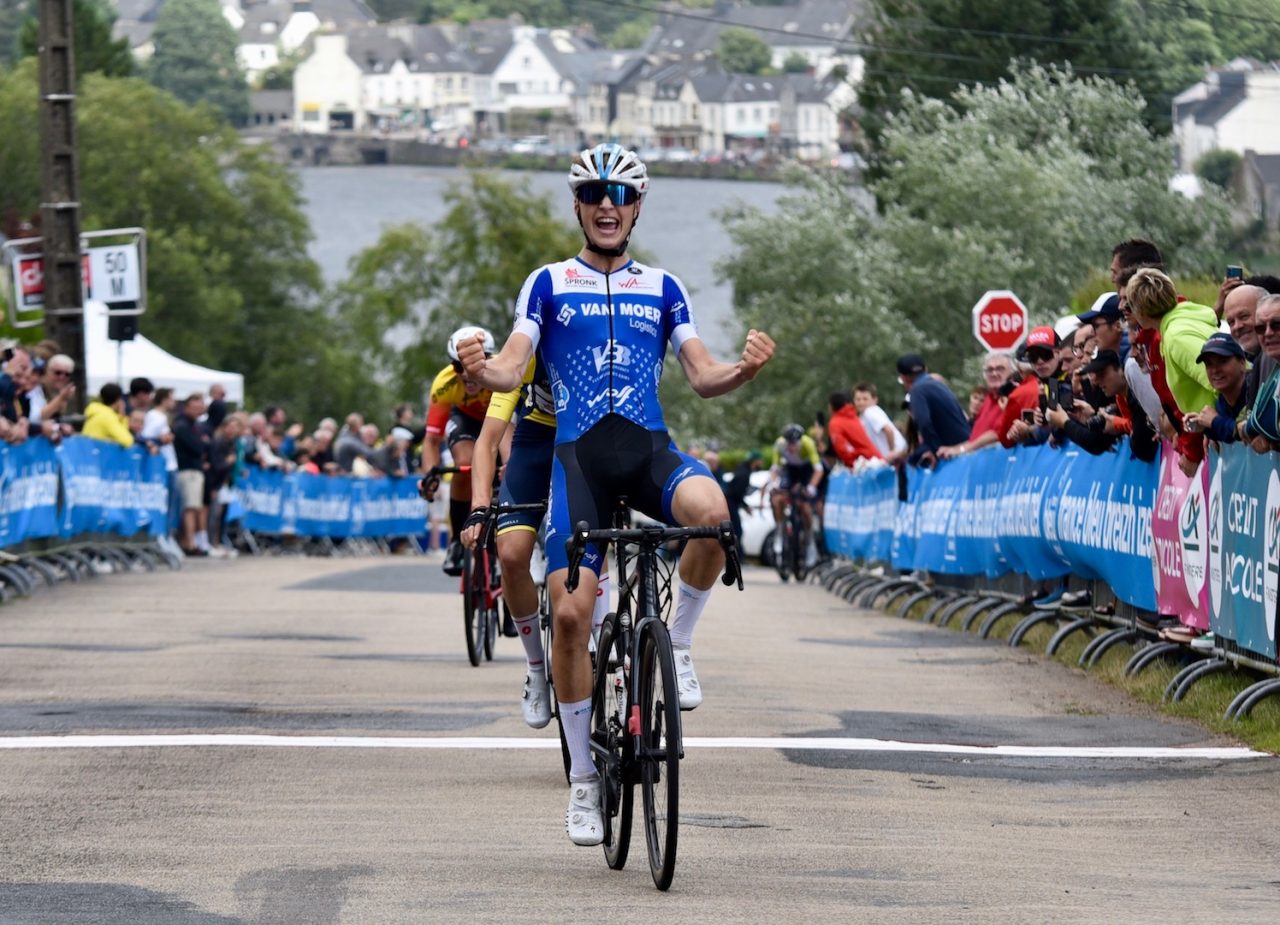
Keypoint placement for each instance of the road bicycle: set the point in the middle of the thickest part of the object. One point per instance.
(481, 582)
(482, 585)
(792, 539)
(635, 704)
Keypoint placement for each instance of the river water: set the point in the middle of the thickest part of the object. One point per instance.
(349, 206)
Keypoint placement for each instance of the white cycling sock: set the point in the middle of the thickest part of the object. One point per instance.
(202, 539)
(576, 717)
(530, 630)
(602, 603)
(689, 606)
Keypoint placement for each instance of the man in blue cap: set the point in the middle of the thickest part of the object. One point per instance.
(1226, 365)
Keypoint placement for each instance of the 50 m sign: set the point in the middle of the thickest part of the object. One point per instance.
(109, 273)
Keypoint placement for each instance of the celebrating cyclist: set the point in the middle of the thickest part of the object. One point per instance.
(602, 323)
(455, 413)
(795, 463)
(526, 479)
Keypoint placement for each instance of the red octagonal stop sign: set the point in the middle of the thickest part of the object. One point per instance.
(1000, 321)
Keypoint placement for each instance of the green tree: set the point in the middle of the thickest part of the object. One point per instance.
(741, 51)
(11, 17)
(1218, 168)
(280, 75)
(795, 63)
(1023, 185)
(418, 285)
(195, 58)
(932, 47)
(631, 34)
(229, 281)
(95, 50)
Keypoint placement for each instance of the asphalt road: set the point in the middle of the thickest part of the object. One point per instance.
(372, 649)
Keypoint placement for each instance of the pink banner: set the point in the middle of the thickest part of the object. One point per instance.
(1180, 524)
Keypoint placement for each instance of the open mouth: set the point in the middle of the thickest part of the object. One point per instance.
(607, 225)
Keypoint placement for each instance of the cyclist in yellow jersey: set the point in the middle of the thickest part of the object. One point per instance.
(795, 462)
(526, 480)
(455, 413)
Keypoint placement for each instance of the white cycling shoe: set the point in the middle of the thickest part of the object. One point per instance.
(582, 820)
(687, 680)
(536, 703)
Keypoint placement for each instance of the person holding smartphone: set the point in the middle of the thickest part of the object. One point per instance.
(1030, 398)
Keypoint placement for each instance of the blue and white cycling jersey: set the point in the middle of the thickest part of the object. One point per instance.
(603, 339)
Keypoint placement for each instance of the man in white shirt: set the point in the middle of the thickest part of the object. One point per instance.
(156, 429)
(887, 438)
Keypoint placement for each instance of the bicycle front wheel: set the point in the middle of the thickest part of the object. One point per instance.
(610, 743)
(660, 748)
(548, 634)
(473, 605)
(782, 559)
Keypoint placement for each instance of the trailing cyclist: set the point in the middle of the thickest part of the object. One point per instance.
(602, 323)
(455, 413)
(796, 464)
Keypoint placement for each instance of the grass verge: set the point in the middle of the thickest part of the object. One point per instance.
(1205, 704)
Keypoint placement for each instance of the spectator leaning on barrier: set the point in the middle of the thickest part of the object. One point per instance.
(1238, 311)
(18, 378)
(349, 446)
(845, 434)
(105, 419)
(877, 424)
(58, 390)
(997, 370)
(191, 445)
(1226, 365)
(1183, 327)
(322, 450)
(1017, 426)
(1262, 427)
(937, 414)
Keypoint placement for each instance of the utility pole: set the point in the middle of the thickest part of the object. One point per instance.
(60, 186)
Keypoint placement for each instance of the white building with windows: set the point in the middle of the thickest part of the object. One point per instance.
(1235, 108)
(383, 78)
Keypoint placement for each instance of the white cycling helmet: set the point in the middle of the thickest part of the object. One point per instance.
(612, 163)
(466, 332)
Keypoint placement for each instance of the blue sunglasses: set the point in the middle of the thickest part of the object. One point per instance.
(620, 194)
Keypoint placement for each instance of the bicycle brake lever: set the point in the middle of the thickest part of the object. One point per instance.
(732, 564)
(576, 547)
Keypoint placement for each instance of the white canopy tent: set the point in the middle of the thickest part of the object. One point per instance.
(107, 360)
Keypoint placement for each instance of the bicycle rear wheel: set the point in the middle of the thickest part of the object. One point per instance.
(611, 745)
(660, 748)
(473, 605)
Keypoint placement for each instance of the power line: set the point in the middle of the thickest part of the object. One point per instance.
(852, 44)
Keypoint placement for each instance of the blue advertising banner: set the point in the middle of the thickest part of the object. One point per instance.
(1097, 519)
(110, 489)
(28, 492)
(1244, 547)
(261, 493)
(337, 507)
(1039, 511)
(860, 513)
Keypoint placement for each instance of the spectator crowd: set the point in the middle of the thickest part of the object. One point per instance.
(207, 447)
(1143, 363)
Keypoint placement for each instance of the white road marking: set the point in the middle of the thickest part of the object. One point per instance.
(509, 743)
